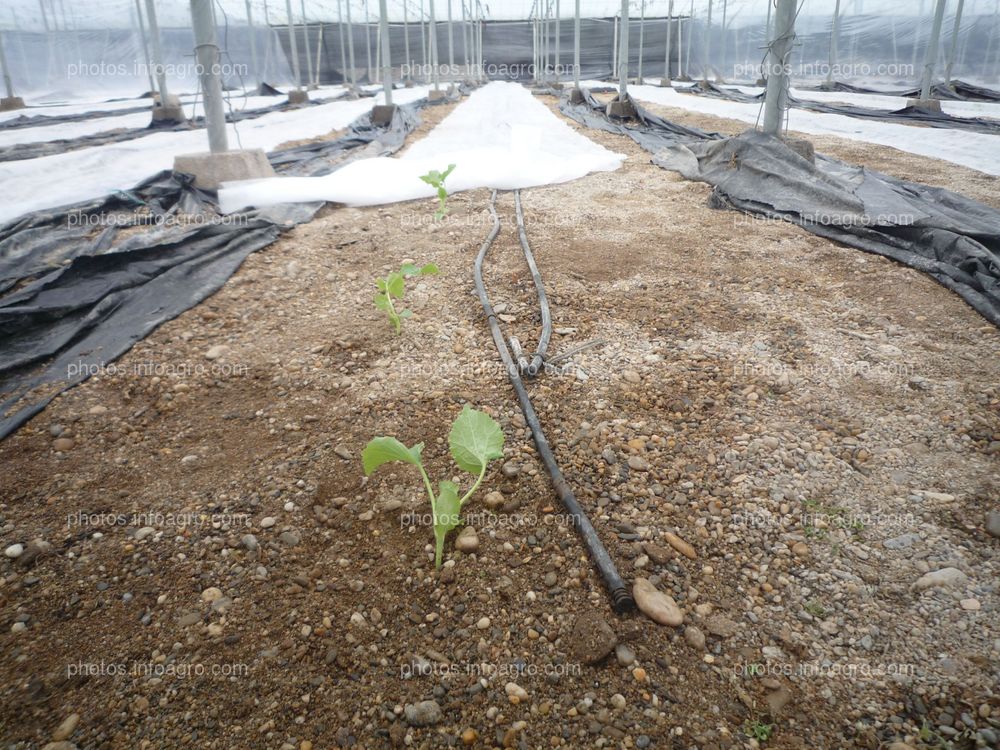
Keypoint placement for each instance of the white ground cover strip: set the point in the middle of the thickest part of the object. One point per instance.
(885, 101)
(978, 151)
(500, 137)
(70, 130)
(56, 180)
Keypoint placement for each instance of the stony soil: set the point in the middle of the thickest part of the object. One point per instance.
(796, 441)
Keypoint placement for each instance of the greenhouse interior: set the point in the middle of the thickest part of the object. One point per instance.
(521, 374)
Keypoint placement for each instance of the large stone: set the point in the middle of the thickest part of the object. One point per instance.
(298, 96)
(778, 699)
(467, 541)
(944, 578)
(65, 730)
(680, 545)
(592, 639)
(993, 523)
(422, 714)
(211, 170)
(656, 605)
(721, 626)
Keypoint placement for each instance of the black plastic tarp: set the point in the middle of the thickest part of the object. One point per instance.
(72, 301)
(950, 237)
(959, 90)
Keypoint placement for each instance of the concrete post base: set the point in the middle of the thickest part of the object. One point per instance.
(298, 96)
(211, 170)
(576, 96)
(382, 114)
(164, 115)
(666, 83)
(934, 105)
(623, 110)
(11, 102)
(435, 96)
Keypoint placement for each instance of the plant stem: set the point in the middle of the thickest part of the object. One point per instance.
(475, 487)
(394, 316)
(430, 490)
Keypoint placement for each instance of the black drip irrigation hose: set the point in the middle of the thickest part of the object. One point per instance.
(621, 597)
(543, 302)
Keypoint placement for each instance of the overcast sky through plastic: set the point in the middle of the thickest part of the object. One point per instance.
(100, 14)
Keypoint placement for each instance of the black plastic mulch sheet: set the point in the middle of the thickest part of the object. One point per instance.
(959, 90)
(650, 131)
(953, 239)
(72, 302)
(905, 116)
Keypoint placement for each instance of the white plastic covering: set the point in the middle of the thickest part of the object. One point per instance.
(500, 137)
(56, 180)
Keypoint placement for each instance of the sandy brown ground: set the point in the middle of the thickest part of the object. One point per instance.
(749, 371)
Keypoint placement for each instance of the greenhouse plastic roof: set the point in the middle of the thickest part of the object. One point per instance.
(101, 14)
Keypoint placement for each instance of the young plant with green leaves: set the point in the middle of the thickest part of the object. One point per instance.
(758, 730)
(392, 288)
(436, 180)
(475, 440)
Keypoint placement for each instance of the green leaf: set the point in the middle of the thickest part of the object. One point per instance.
(395, 320)
(446, 517)
(409, 269)
(432, 178)
(475, 440)
(382, 450)
(380, 283)
(382, 302)
(395, 285)
(447, 172)
(442, 193)
(429, 269)
(406, 314)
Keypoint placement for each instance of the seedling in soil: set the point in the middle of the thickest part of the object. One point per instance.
(815, 608)
(393, 286)
(758, 730)
(436, 180)
(475, 440)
